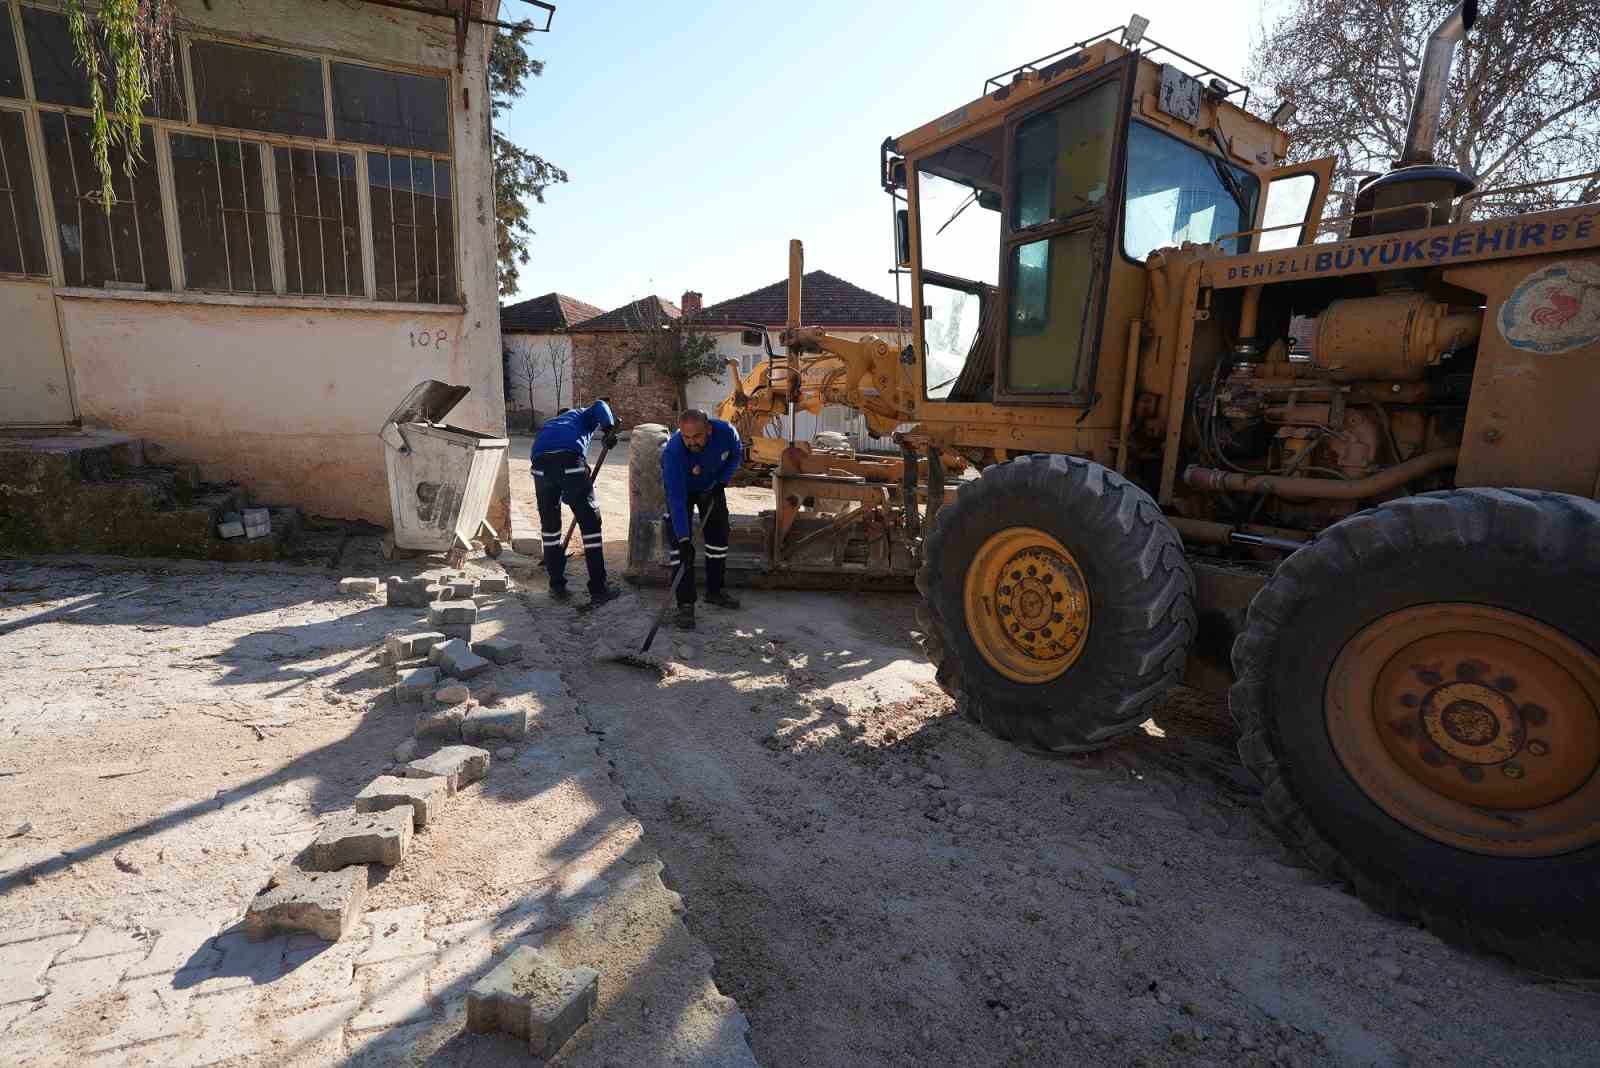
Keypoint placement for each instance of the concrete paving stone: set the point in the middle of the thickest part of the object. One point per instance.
(444, 723)
(494, 584)
(410, 645)
(146, 1010)
(23, 964)
(458, 765)
(446, 610)
(453, 693)
(247, 961)
(104, 941)
(350, 837)
(531, 995)
(309, 1035)
(228, 1029)
(425, 796)
(81, 981)
(466, 951)
(181, 943)
(397, 993)
(323, 973)
(455, 658)
(252, 516)
(407, 593)
(485, 723)
(230, 530)
(413, 684)
(396, 933)
(385, 1048)
(532, 683)
(33, 931)
(501, 650)
(458, 590)
(361, 586)
(325, 904)
(462, 631)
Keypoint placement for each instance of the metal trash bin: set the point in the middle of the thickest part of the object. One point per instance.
(441, 477)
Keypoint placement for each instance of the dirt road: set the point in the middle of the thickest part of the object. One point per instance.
(882, 883)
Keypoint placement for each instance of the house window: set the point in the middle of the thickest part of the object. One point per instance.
(257, 89)
(125, 247)
(413, 231)
(385, 107)
(58, 79)
(319, 219)
(21, 242)
(751, 338)
(640, 370)
(10, 64)
(223, 222)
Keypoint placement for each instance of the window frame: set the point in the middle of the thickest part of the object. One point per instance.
(1106, 217)
(40, 208)
(1222, 235)
(267, 144)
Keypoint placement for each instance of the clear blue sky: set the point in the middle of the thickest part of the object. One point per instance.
(701, 137)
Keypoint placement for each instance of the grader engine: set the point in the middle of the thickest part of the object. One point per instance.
(1343, 469)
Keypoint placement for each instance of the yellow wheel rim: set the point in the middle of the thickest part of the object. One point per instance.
(1475, 726)
(1027, 605)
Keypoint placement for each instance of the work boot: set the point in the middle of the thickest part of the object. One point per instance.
(722, 599)
(610, 592)
(685, 620)
(559, 593)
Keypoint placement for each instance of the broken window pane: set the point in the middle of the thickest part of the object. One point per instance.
(413, 228)
(21, 242)
(58, 79)
(257, 89)
(126, 247)
(10, 65)
(385, 107)
(222, 228)
(319, 218)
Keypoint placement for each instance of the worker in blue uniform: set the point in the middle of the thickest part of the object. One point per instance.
(561, 473)
(697, 464)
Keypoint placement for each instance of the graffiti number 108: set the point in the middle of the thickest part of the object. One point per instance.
(428, 339)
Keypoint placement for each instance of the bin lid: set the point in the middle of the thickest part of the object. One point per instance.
(428, 402)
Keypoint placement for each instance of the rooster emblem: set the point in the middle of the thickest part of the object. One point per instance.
(1555, 309)
(1562, 307)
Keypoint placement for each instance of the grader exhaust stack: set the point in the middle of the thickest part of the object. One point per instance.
(1422, 131)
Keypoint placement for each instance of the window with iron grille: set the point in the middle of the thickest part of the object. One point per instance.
(222, 228)
(413, 233)
(319, 219)
(21, 242)
(125, 247)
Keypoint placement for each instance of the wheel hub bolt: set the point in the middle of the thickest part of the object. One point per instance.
(1538, 748)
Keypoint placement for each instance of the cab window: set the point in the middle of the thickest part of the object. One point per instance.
(1178, 193)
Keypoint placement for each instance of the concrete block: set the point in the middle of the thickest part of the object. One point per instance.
(181, 944)
(531, 996)
(103, 941)
(500, 650)
(255, 516)
(23, 965)
(446, 610)
(458, 765)
(326, 904)
(425, 796)
(458, 590)
(454, 693)
(456, 630)
(455, 658)
(443, 722)
(411, 645)
(397, 933)
(352, 837)
(230, 530)
(397, 993)
(412, 684)
(407, 592)
(358, 586)
(483, 724)
(496, 584)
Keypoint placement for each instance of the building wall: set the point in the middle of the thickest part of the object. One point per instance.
(288, 393)
(708, 393)
(637, 393)
(547, 399)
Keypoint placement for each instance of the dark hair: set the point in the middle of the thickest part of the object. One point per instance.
(693, 415)
(564, 411)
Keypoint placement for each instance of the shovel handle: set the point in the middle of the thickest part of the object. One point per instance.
(594, 473)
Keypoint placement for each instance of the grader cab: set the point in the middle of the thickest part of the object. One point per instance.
(1345, 469)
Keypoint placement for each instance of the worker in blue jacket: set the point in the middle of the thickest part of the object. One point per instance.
(561, 473)
(697, 463)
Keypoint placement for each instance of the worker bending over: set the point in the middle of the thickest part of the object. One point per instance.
(697, 464)
(561, 473)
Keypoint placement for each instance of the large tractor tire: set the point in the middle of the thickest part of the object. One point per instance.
(1058, 603)
(1419, 693)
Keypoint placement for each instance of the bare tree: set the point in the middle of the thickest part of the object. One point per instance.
(1523, 104)
(528, 365)
(557, 359)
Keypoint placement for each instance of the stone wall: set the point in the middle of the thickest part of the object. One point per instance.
(637, 393)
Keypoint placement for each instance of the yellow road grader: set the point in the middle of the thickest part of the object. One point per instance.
(1345, 469)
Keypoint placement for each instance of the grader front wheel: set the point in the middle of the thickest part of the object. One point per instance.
(1419, 692)
(1058, 603)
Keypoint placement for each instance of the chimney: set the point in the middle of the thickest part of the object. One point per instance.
(691, 303)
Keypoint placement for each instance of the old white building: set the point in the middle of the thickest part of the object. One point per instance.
(538, 354)
(309, 232)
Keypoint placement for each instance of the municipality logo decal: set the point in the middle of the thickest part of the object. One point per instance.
(1555, 309)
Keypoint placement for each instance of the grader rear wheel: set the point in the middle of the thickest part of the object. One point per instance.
(1058, 603)
(1419, 691)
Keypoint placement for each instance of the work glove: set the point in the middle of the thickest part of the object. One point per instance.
(610, 439)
